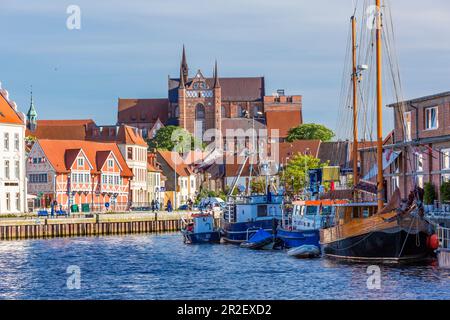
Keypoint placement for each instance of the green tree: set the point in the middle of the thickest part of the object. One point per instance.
(429, 193)
(174, 138)
(295, 175)
(258, 185)
(310, 131)
(445, 192)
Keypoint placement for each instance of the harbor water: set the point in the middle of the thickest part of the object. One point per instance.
(160, 266)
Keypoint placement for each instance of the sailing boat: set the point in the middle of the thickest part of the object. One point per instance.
(393, 233)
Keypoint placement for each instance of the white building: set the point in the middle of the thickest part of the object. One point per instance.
(12, 157)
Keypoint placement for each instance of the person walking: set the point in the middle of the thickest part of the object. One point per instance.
(169, 206)
(153, 205)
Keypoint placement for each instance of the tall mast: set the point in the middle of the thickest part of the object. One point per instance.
(355, 106)
(380, 178)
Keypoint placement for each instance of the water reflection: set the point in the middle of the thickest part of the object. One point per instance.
(162, 267)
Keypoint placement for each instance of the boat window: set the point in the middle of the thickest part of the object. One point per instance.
(326, 210)
(311, 210)
(262, 211)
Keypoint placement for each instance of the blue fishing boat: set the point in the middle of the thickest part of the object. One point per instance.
(302, 221)
(200, 230)
(245, 215)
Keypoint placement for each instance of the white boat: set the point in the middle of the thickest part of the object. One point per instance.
(305, 251)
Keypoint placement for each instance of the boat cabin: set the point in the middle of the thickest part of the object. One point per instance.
(253, 208)
(310, 215)
(203, 223)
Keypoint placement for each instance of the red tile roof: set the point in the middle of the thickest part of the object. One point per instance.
(121, 134)
(283, 121)
(61, 129)
(61, 152)
(59, 123)
(175, 161)
(142, 110)
(7, 113)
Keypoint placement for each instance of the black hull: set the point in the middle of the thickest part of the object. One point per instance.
(389, 246)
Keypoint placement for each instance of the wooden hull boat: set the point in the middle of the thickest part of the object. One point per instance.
(382, 237)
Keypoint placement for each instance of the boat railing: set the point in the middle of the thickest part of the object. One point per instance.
(444, 237)
(229, 213)
(251, 229)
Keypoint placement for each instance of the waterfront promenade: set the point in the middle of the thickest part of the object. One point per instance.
(33, 227)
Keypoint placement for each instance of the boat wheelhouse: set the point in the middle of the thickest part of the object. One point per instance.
(201, 230)
(302, 221)
(245, 215)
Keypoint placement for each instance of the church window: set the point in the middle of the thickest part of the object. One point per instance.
(224, 112)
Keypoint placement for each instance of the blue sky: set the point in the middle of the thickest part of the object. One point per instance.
(127, 49)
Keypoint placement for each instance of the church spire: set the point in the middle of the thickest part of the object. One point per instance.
(184, 67)
(216, 77)
(31, 114)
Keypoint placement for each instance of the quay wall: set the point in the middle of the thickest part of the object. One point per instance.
(97, 225)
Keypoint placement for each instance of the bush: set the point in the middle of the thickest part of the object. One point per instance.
(445, 191)
(429, 194)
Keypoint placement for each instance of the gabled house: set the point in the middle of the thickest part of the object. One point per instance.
(76, 172)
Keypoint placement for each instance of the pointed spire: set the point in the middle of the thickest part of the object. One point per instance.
(184, 67)
(31, 114)
(216, 77)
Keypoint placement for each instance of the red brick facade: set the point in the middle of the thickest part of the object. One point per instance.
(422, 135)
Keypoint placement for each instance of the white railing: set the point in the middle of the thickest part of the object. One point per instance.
(444, 237)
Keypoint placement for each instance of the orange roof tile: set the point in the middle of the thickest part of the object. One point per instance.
(59, 153)
(118, 134)
(65, 122)
(7, 113)
(175, 161)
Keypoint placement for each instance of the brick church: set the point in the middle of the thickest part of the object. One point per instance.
(198, 103)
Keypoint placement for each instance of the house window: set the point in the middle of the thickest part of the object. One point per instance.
(38, 178)
(395, 183)
(17, 169)
(6, 141)
(18, 201)
(16, 142)
(419, 181)
(431, 118)
(110, 164)
(8, 201)
(80, 162)
(445, 159)
(446, 177)
(407, 118)
(419, 162)
(7, 169)
(130, 153)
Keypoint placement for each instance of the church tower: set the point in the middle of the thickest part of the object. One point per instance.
(182, 95)
(31, 115)
(217, 107)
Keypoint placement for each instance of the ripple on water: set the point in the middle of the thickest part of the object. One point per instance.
(162, 267)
